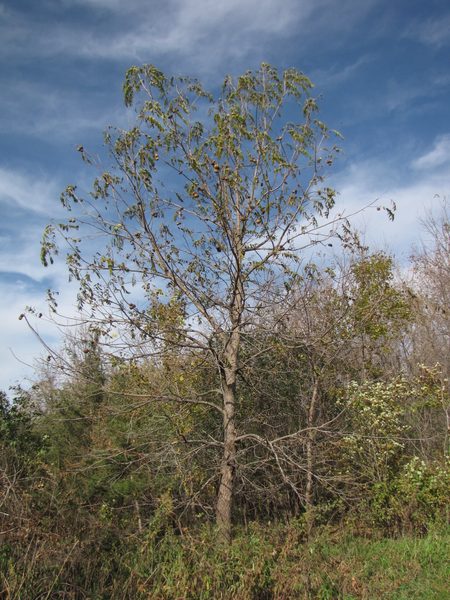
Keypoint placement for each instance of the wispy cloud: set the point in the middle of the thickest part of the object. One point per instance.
(436, 157)
(209, 31)
(339, 74)
(141, 29)
(432, 32)
(20, 347)
(204, 33)
(373, 180)
(111, 5)
(402, 99)
(37, 110)
(27, 191)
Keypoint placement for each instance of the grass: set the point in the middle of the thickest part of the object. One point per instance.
(264, 563)
(397, 569)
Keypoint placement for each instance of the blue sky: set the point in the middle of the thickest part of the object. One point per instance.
(381, 68)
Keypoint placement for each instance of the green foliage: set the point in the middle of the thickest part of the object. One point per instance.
(378, 308)
(421, 493)
(19, 438)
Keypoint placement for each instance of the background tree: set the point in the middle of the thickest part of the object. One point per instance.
(338, 325)
(429, 340)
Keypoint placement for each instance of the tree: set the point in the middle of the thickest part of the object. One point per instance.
(429, 340)
(338, 326)
(209, 203)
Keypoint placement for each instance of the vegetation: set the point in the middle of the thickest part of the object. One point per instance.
(253, 405)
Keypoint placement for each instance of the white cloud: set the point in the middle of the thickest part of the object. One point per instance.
(400, 95)
(438, 156)
(19, 347)
(199, 34)
(403, 98)
(112, 5)
(337, 75)
(27, 202)
(59, 115)
(206, 30)
(18, 342)
(20, 250)
(32, 193)
(432, 32)
(363, 183)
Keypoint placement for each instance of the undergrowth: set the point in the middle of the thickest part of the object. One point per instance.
(271, 562)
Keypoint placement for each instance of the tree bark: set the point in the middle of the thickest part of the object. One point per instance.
(228, 468)
(309, 492)
(229, 369)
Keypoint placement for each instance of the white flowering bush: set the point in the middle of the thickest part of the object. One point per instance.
(391, 484)
(422, 493)
(377, 428)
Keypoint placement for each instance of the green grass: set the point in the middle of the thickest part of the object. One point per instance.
(388, 568)
(272, 563)
(269, 562)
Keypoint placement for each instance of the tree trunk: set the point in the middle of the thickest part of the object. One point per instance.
(228, 468)
(227, 471)
(229, 369)
(311, 435)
